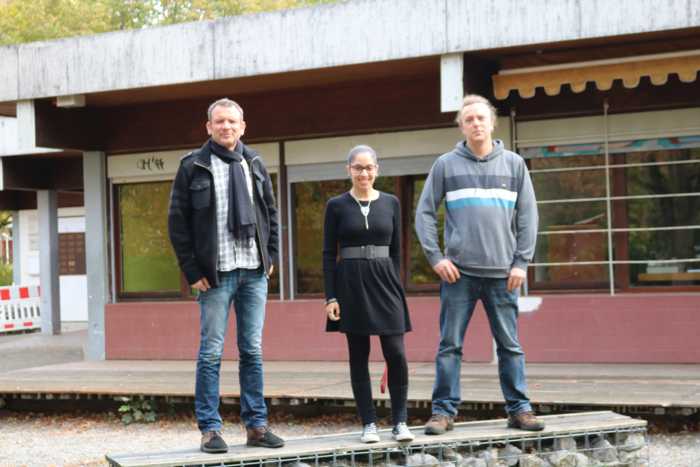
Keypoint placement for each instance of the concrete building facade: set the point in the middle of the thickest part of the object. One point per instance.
(600, 98)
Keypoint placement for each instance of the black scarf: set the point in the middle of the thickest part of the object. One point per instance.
(241, 217)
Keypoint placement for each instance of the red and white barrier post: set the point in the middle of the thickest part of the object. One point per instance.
(19, 308)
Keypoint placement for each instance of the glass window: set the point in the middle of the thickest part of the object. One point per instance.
(420, 272)
(148, 263)
(579, 247)
(662, 257)
(273, 287)
(678, 156)
(568, 177)
(565, 226)
(309, 207)
(663, 216)
(655, 212)
(570, 277)
(583, 215)
(666, 172)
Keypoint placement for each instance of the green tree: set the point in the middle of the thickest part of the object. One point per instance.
(24, 21)
(35, 20)
(5, 227)
(5, 221)
(130, 14)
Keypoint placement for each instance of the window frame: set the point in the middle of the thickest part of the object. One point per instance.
(182, 294)
(403, 188)
(618, 260)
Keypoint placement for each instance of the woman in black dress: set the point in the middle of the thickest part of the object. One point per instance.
(364, 296)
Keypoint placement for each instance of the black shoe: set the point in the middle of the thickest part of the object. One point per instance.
(213, 443)
(262, 437)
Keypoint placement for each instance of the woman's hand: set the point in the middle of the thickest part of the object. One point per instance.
(333, 311)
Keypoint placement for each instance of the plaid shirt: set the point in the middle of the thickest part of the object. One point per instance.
(233, 253)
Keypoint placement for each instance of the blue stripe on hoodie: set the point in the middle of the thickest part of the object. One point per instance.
(464, 202)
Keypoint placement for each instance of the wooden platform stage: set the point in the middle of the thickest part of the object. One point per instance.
(553, 388)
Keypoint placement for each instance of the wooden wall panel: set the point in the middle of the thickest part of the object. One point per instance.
(366, 107)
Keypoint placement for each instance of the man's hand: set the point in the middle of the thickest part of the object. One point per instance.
(447, 271)
(202, 285)
(272, 269)
(516, 278)
(333, 311)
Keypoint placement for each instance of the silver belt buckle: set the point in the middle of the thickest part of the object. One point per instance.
(370, 251)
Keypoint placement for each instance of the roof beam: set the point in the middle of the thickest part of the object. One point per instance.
(41, 173)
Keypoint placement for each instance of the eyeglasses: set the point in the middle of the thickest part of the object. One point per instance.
(358, 169)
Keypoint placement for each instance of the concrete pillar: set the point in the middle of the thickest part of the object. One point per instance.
(26, 125)
(451, 82)
(96, 249)
(47, 207)
(16, 252)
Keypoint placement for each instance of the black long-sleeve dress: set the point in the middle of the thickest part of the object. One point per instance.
(369, 292)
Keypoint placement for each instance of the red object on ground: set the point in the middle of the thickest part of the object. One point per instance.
(382, 382)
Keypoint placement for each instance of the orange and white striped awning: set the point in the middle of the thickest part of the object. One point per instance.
(630, 70)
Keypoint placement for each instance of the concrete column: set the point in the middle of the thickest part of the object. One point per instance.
(26, 125)
(16, 252)
(451, 82)
(96, 250)
(47, 207)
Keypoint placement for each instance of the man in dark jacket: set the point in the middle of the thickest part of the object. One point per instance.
(223, 226)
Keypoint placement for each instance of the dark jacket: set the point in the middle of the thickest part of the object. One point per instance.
(192, 215)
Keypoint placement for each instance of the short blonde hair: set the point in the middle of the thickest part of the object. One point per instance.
(470, 99)
(224, 102)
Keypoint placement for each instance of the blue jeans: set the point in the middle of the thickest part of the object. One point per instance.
(457, 303)
(246, 289)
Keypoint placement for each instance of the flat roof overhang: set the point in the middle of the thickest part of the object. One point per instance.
(325, 36)
(351, 99)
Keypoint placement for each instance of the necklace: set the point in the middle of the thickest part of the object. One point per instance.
(363, 209)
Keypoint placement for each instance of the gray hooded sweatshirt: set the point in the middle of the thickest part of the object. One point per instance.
(490, 216)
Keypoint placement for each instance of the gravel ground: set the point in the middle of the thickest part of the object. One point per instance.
(675, 450)
(70, 440)
(75, 440)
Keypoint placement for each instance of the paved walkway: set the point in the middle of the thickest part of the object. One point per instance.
(38, 364)
(26, 350)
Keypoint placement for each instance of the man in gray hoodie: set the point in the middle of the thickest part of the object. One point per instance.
(490, 233)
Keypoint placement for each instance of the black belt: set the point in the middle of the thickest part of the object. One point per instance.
(364, 252)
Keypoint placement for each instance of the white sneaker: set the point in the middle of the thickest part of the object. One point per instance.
(402, 433)
(369, 433)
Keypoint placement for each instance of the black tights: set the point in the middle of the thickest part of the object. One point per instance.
(395, 357)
